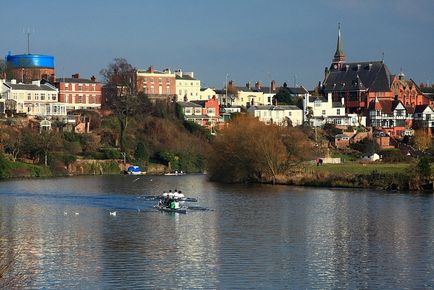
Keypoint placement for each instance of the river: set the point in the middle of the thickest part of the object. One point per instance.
(238, 237)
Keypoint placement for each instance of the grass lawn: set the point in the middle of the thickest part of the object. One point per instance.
(358, 168)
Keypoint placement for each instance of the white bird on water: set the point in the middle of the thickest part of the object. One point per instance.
(113, 213)
(65, 213)
(77, 213)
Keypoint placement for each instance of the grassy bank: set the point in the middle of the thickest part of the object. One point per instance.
(9, 169)
(387, 176)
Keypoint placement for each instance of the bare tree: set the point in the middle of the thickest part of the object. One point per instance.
(121, 92)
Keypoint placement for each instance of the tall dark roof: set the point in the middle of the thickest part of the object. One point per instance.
(372, 76)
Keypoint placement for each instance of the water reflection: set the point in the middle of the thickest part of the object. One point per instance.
(254, 237)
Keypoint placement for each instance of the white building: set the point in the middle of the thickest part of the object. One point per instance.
(187, 87)
(280, 115)
(318, 111)
(34, 99)
(206, 94)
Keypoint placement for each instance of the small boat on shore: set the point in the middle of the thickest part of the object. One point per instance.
(174, 210)
(134, 170)
(176, 173)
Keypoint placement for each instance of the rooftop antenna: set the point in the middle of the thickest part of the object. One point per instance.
(28, 32)
(295, 81)
(382, 57)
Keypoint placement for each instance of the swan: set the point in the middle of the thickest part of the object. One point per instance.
(113, 213)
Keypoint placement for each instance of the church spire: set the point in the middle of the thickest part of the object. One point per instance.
(339, 57)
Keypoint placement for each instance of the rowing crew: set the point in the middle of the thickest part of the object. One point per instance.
(171, 199)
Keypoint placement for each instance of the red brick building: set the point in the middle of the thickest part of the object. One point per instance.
(79, 93)
(158, 85)
(360, 83)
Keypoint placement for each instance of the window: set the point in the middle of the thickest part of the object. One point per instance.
(93, 87)
(323, 112)
(29, 96)
(168, 90)
(167, 81)
(290, 114)
(338, 111)
(80, 99)
(37, 96)
(160, 80)
(42, 96)
(54, 97)
(80, 87)
(66, 86)
(87, 87)
(152, 89)
(152, 80)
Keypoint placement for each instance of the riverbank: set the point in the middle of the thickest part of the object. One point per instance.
(384, 176)
(17, 169)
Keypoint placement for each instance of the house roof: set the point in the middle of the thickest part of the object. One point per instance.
(314, 98)
(31, 87)
(386, 106)
(265, 90)
(295, 90)
(373, 76)
(185, 77)
(420, 108)
(189, 104)
(75, 80)
(275, 108)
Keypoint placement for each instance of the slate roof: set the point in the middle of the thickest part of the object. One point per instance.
(373, 76)
(386, 106)
(185, 77)
(188, 104)
(295, 90)
(31, 87)
(265, 90)
(75, 80)
(420, 108)
(276, 108)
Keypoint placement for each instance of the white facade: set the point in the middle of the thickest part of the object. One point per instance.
(34, 99)
(187, 87)
(278, 114)
(247, 98)
(206, 94)
(319, 111)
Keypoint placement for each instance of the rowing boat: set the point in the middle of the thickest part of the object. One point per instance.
(174, 210)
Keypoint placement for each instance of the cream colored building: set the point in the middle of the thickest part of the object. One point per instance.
(34, 99)
(187, 87)
(207, 94)
(280, 115)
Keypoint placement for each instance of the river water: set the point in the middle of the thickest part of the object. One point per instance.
(237, 237)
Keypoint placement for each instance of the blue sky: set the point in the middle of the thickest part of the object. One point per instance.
(249, 40)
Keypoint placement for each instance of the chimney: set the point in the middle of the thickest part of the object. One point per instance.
(76, 76)
(151, 69)
(38, 83)
(273, 86)
(358, 66)
(93, 78)
(258, 85)
(52, 78)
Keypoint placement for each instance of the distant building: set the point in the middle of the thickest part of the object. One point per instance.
(280, 115)
(269, 92)
(203, 113)
(33, 99)
(360, 83)
(245, 96)
(389, 116)
(207, 94)
(187, 87)
(26, 68)
(319, 110)
(158, 85)
(79, 93)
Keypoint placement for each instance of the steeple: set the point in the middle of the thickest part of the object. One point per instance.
(339, 57)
